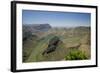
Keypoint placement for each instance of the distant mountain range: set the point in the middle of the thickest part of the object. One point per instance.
(33, 29)
(36, 27)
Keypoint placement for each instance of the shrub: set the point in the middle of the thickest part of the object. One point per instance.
(76, 55)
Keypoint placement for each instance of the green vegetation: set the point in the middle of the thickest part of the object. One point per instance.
(76, 55)
(34, 44)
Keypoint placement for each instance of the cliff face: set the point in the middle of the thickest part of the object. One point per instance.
(30, 29)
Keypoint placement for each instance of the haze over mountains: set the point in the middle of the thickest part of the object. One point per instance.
(36, 27)
(46, 27)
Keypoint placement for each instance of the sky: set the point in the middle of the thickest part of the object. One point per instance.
(56, 19)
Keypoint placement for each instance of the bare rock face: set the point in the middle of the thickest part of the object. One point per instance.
(53, 43)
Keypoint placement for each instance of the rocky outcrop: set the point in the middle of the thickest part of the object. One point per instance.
(53, 43)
